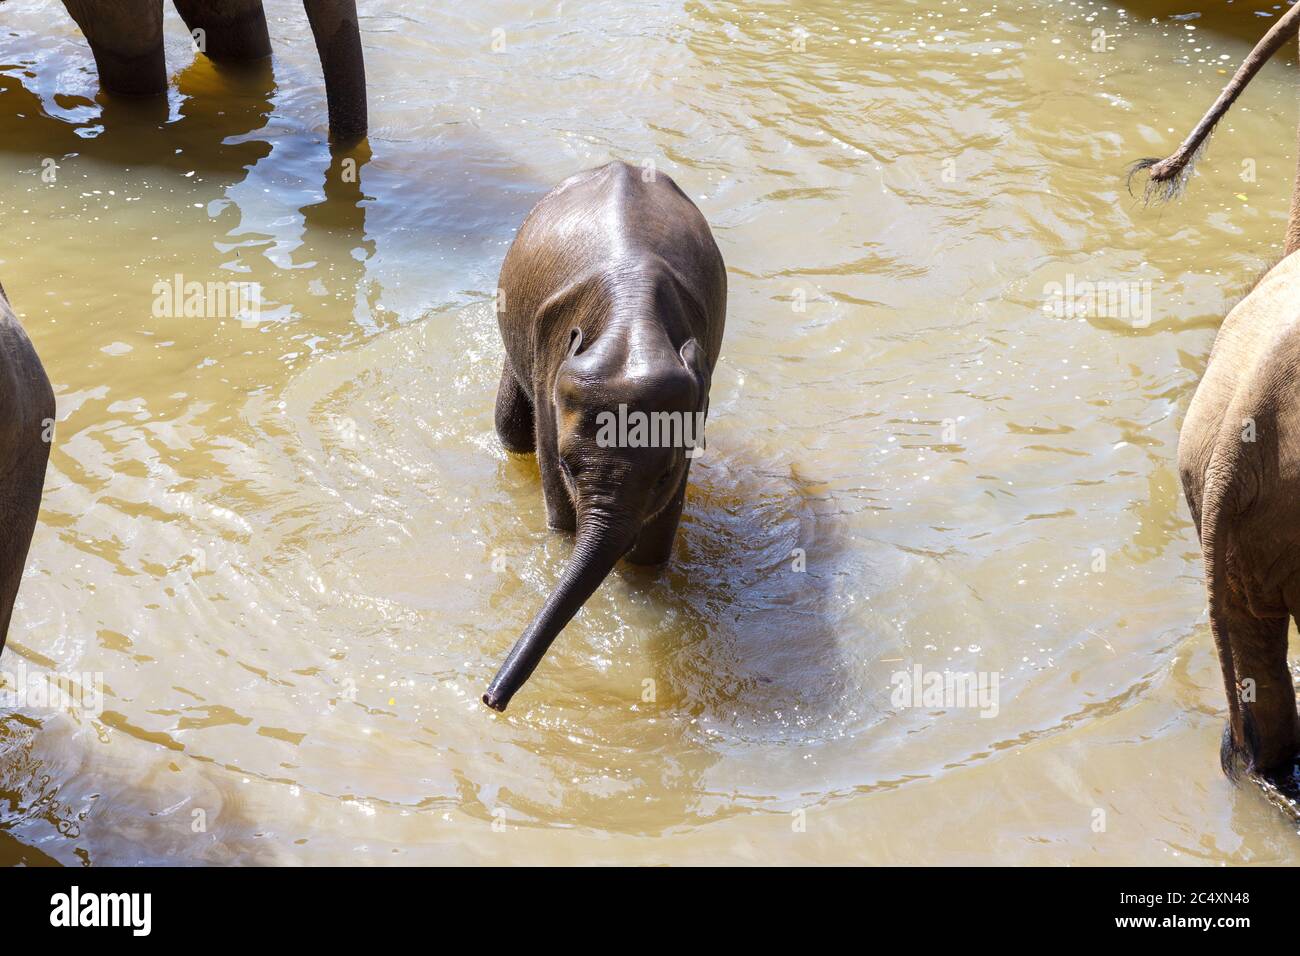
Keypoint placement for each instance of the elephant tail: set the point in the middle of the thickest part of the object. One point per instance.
(1168, 176)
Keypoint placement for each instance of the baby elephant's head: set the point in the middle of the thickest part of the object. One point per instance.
(628, 419)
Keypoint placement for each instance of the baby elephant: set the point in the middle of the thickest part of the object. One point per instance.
(611, 304)
(26, 416)
(1239, 458)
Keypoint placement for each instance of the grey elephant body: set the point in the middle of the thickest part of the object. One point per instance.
(1239, 461)
(613, 295)
(125, 37)
(26, 420)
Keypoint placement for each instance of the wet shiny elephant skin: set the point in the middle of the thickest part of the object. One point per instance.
(612, 299)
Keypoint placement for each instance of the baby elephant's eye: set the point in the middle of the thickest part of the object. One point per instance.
(664, 479)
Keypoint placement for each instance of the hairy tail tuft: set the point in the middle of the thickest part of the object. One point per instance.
(1167, 178)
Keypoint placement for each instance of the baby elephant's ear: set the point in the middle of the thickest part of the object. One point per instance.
(693, 358)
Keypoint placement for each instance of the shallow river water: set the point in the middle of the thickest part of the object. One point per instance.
(294, 551)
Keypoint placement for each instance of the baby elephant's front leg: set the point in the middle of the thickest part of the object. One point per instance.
(514, 414)
(654, 545)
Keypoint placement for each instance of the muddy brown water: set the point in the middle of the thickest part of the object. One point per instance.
(294, 552)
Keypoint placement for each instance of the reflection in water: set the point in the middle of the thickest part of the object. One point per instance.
(210, 106)
(296, 551)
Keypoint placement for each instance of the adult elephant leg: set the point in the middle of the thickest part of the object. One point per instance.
(233, 30)
(1264, 689)
(126, 38)
(338, 41)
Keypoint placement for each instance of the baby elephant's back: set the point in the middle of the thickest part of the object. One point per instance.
(607, 223)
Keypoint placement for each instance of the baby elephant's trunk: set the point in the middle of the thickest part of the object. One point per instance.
(595, 553)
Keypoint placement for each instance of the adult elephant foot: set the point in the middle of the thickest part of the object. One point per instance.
(1281, 787)
(126, 39)
(227, 30)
